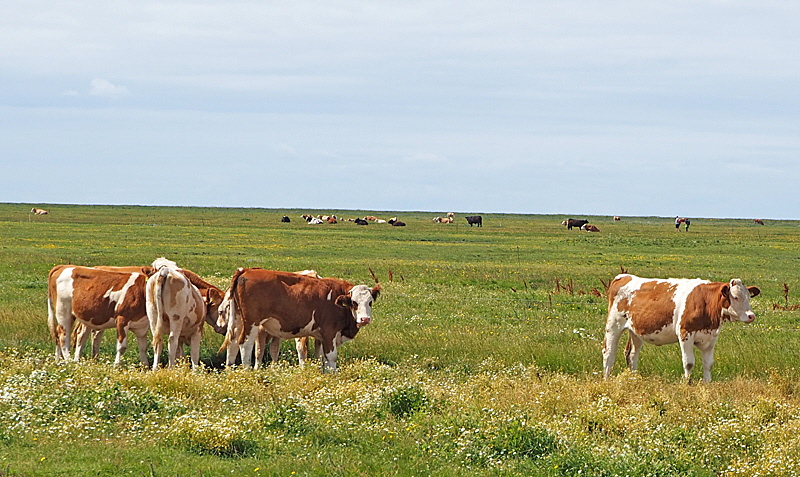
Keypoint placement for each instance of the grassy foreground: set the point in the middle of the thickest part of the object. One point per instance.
(483, 357)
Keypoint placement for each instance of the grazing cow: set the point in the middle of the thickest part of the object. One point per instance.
(396, 223)
(98, 299)
(664, 311)
(285, 219)
(288, 305)
(361, 222)
(574, 223)
(616, 218)
(176, 308)
(758, 221)
(474, 220)
(589, 228)
(36, 211)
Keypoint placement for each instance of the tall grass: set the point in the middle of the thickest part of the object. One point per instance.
(483, 356)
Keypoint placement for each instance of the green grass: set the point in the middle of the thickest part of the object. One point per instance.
(476, 362)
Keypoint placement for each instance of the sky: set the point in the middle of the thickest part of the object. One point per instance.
(630, 107)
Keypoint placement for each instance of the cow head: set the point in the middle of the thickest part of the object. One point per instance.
(739, 298)
(213, 300)
(359, 300)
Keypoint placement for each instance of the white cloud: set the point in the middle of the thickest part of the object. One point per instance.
(103, 87)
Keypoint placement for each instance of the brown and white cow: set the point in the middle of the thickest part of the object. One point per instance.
(289, 305)
(176, 308)
(99, 300)
(589, 228)
(36, 211)
(665, 311)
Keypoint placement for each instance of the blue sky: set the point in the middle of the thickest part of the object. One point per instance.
(576, 107)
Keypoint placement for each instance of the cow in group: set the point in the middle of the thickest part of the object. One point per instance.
(589, 228)
(175, 308)
(474, 220)
(361, 222)
(664, 311)
(443, 220)
(758, 221)
(396, 223)
(36, 211)
(315, 221)
(289, 305)
(371, 218)
(574, 223)
(99, 300)
(451, 215)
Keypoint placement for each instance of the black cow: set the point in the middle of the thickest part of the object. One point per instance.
(474, 220)
(285, 219)
(397, 223)
(361, 222)
(574, 223)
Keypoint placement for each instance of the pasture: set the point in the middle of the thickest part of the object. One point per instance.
(483, 358)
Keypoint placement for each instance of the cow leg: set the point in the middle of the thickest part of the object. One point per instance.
(80, 341)
(97, 340)
(274, 349)
(158, 345)
(610, 344)
(707, 356)
(122, 339)
(141, 342)
(261, 344)
(302, 350)
(174, 341)
(329, 355)
(632, 350)
(247, 347)
(687, 355)
(194, 349)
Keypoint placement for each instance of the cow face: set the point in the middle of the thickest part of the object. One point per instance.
(359, 301)
(739, 297)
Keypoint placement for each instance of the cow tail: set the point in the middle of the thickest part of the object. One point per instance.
(628, 347)
(234, 307)
(158, 294)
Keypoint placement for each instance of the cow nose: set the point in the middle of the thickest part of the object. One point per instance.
(364, 321)
(750, 317)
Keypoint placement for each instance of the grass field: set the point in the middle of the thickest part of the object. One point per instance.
(483, 357)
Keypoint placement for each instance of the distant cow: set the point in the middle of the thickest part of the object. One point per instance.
(664, 311)
(616, 218)
(371, 218)
(443, 220)
(474, 220)
(285, 219)
(288, 305)
(331, 220)
(758, 221)
(315, 221)
(396, 223)
(574, 223)
(451, 215)
(36, 211)
(590, 228)
(361, 222)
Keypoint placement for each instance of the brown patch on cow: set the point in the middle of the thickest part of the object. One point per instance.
(652, 308)
(703, 309)
(614, 287)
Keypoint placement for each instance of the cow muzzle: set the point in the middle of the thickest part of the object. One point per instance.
(749, 317)
(363, 321)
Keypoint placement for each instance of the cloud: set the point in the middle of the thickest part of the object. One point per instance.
(105, 88)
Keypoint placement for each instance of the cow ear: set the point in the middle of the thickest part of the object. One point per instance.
(754, 291)
(376, 291)
(726, 291)
(344, 301)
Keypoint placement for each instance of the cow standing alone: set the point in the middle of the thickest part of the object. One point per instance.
(665, 311)
(474, 220)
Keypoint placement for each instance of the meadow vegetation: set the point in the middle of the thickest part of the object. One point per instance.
(483, 357)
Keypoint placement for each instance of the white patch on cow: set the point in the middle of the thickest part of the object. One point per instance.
(330, 295)
(117, 297)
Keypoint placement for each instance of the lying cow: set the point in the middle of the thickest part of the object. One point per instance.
(574, 223)
(361, 222)
(758, 221)
(36, 211)
(589, 228)
(474, 220)
(665, 311)
(288, 305)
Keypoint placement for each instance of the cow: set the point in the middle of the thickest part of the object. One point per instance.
(371, 218)
(758, 221)
(176, 308)
(574, 223)
(361, 222)
(289, 305)
(285, 219)
(396, 223)
(315, 221)
(665, 311)
(443, 220)
(451, 215)
(331, 220)
(589, 228)
(36, 211)
(616, 218)
(474, 220)
(98, 299)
